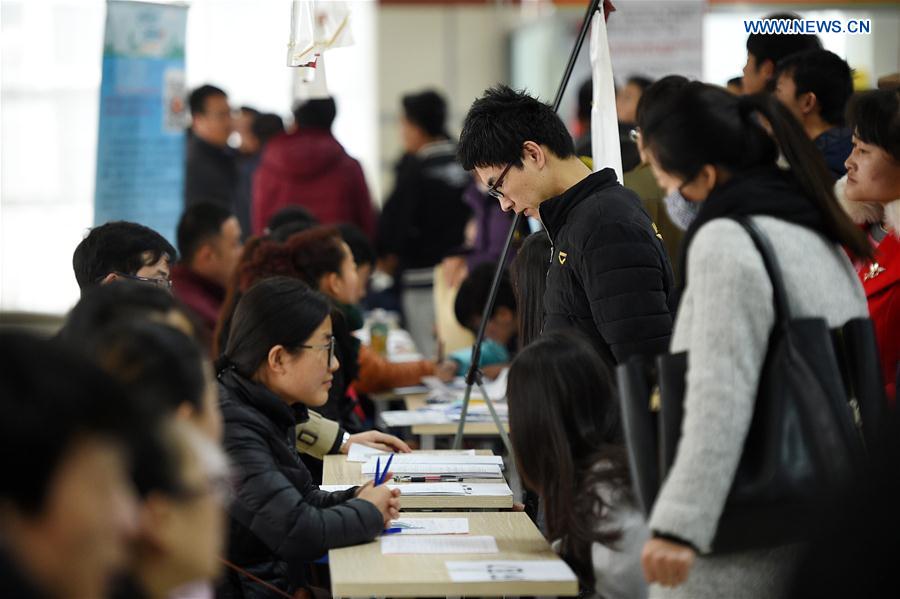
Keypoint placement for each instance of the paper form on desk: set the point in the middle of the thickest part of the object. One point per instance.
(416, 489)
(487, 489)
(459, 470)
(405, 459)
(431, 526)
(413, 417)
(395, 544)
(362, 453)
(505, 570)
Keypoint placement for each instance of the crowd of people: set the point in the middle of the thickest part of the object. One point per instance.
(168, 441)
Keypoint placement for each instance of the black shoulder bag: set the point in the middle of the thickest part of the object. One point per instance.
(819, 402)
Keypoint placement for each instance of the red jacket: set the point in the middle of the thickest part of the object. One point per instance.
(201, 296)
(881, 280)
(310, 168)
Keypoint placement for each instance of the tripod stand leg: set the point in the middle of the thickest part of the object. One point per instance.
(500, 428)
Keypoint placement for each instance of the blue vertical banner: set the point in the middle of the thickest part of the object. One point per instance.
(140, 150)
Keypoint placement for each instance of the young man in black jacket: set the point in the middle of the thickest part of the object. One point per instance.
(609, 276)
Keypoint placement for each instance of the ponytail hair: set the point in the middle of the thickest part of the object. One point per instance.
(275, 311)
(703, 124)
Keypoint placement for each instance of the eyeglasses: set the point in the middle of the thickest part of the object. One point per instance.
(494, 190)
(326, 346)
(162, 283)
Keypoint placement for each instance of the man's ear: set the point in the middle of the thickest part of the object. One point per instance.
(504, 314)
(708, 177)
(808, 103)
(204, 254)
(110, 278)
(533, 152)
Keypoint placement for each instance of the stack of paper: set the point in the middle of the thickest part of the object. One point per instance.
(466, 466)
(440, 489)
(506, 570)
(414, 417)
(431, 526)
(362, 453)
(392, 544)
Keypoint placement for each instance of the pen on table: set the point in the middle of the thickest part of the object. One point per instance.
(391, 531)
(429, 478)
(380, 478)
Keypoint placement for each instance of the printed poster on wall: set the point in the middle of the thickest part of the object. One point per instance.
(140, 150)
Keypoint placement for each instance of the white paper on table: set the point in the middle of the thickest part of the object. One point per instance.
(334, 488)
(459, 470)
(417, 489)
(393, 544)
(431, 526)
(413, 417)
(361, 453)
(405, 459)
(487, 489)
(497, 571)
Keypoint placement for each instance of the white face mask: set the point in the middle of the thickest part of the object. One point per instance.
(681, 211)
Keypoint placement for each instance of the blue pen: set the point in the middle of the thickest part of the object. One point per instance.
(377, 471)
(387, 467)
(391, 531)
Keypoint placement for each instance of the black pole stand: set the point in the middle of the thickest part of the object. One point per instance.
(475, 376)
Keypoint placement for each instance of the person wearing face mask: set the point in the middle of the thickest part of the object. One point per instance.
(870, 193)
(278, 361)
(727, 167)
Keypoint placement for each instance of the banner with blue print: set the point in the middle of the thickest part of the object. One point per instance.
(140, 150)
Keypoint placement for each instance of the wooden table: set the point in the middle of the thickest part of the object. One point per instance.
(338, 471)
(362, 571)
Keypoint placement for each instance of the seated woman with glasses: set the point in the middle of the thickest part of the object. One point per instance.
(278, 362)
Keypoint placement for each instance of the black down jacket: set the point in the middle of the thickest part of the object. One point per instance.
(279, 520)
(609, 276)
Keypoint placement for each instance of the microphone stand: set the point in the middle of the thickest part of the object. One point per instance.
(474, 376)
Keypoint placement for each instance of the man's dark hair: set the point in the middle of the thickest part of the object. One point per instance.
(290, 220)
(473, 295)
(825, 74)
(197, 100)
(874, 117)
(360, 247)
(765, 47)
(640, 81)
(198, 224)
(250, 110)
(154, 362)
(315, 114)
(108, 305)
(428, 111)
(50, 397)
(117, 246)
(501, 121)
(266, 126)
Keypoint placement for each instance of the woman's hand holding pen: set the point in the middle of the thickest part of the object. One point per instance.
(384, 498)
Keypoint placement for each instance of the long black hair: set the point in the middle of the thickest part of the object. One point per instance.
(704, 124)
(275, 311)
(529, 278)
(561, 393)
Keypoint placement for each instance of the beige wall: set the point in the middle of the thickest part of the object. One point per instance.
(458, 51)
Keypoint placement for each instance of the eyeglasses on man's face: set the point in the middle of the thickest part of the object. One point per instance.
(494, 190)
(329, 347)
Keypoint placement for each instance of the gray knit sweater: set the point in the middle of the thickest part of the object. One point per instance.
(723, 323)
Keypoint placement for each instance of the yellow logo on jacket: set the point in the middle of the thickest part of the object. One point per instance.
(562, 257)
